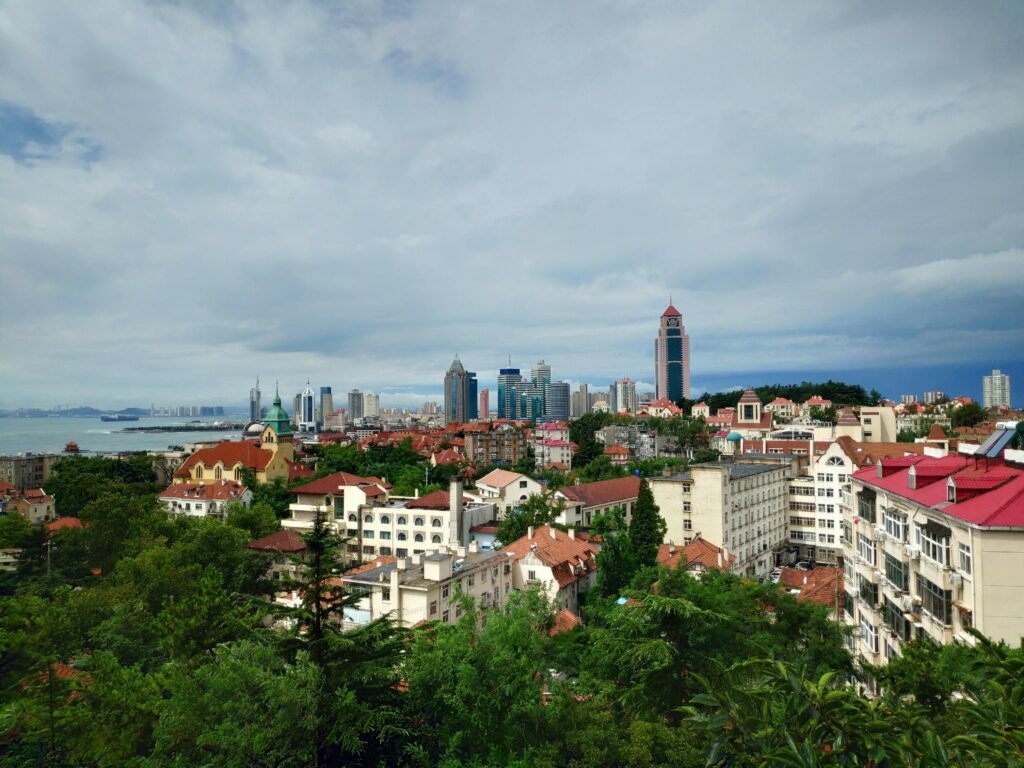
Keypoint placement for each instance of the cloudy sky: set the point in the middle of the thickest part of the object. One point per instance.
(194, 194)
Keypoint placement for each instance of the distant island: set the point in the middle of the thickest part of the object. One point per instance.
(80, 412)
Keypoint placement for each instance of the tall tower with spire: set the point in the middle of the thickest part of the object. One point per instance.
(672, 357)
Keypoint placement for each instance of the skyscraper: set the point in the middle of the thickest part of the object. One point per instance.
(996, 389)
(556, 404)
(355, 405)
(672, 357)
(485, 403)
(326, 404)
(254, 402)
(625, 396)
(472, 397)
(457, 406)
(307, 412)
(371, 406)
(541, 374)
(509, 385)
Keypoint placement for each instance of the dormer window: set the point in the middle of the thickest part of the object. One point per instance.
(951, 491)
(912, 479)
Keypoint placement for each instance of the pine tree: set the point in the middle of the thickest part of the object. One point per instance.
(647, 527)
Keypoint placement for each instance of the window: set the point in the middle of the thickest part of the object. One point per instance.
(445, 617)
(418, 537)
(401, 552)
(868, 634)
(966, 561)
(897, 572)
(435, 523)
(385, 550)
(401, 536)
(199, 471)
(385, 520)
(866, 506)
(402, 520)
(522, 483)
(217, 473)
(687, 524)
(368, 519)
(385, 594)
(418, 521)
(531, 575)
(471, 580)
(385, 534)
(433, 607)
(353, 519)
(367, 534)
(686, 506)
(933, 544)
(868, 591)
(435, 539)
(936, 602)
(896, 525)
(444, 591)
(866, 549)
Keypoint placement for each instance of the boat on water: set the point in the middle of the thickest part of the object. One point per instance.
(118, 417)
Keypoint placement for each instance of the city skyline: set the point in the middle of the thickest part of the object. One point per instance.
(157, 216)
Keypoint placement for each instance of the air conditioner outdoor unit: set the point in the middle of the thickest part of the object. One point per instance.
(956, 579)
(905, 603)
(880, 534)
(912, 552)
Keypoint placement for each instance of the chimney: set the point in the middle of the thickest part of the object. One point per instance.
(666, 471)
(551, 531)
(725, 554)
(473, 547)
(403, 563)
(719, 558)
(455, 497)
(572, 534)
(415, 493)
(529, 532)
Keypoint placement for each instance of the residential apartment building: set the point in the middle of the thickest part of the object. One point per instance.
(204, 499)
(505, 489)
(30, 470)
(585, 501)
(377, 524)
(501, 447)
(742, 504)
(934, 546)
(561, 564)
(814, 507)
(427, 586)
(879, 423)
(996, 389)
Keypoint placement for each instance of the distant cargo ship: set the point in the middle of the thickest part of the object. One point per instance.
(119, 417)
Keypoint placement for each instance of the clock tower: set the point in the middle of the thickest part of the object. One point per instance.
(672, 357)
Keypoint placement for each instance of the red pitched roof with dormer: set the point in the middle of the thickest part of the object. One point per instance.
(335, 483)
(248, 453)
(699, 553)
(569, 558)
(603, 492)
(222, 490)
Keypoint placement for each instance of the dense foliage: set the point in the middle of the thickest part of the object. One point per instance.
(147, 641)
(838, 392)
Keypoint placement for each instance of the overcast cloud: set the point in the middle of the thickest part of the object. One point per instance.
(192, 194)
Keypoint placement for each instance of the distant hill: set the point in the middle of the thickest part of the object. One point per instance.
(838, 392)
(84, 411)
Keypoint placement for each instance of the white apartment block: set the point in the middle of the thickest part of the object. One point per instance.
(934, 546)
(427, 587)
(742, 504)
(996, 389)
(377, 524)
(815, 512)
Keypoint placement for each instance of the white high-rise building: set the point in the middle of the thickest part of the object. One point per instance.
(371, 406)
(307, 409)
(625, 396)
(996, 389)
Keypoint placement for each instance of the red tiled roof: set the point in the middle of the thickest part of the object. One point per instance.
(447, 456)
(749, 396)
(823, 586)
(1002, 506)
(616, 450)
(229, 453)
(286, 540)
(698, 552)
(63, 522)
(564, 621)
(333, 484)
(936, 433)
(603, 491)
(5, 487)
(224, 490)
(568, 558)
(781, 401)
(555, 443)
(378, 562)
(435, 500)
(671, 312)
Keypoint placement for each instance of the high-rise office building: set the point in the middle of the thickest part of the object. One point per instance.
(254, 401)
(541, 374)
(625, 396)
(457, 405)
(613, 398)
(531, 402)
(934, 396)
(510, 383)
(996, 389)
(297, 410)
(472, 396)
(485, 404)
(355, 405)
(371, 406)
(672, 357)
(326, 404)
(307, 405)
(556, 404)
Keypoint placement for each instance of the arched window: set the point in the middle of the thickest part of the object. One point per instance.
(385, 520)
(418, 537)
(402, 520)
(418, 521)
(435, 523)
(217, 473)
(834, 461)
(327, 501)
(199, 471)
(353, 519)
(401, 537)
(367, 518)
(435, 539)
